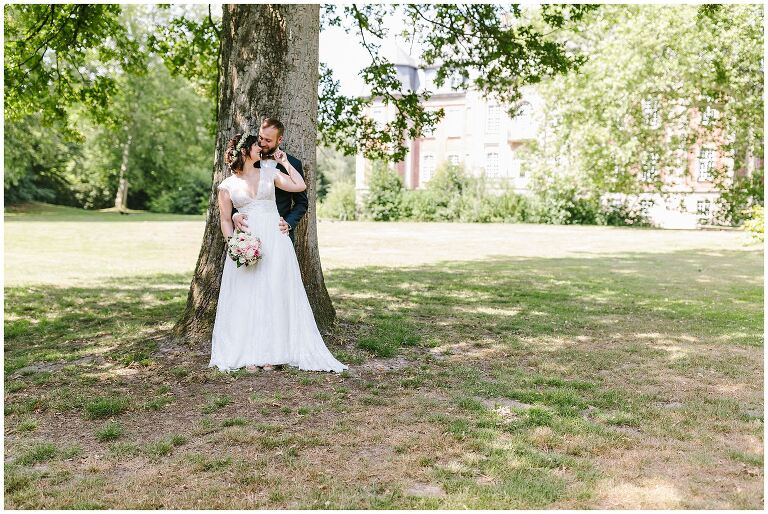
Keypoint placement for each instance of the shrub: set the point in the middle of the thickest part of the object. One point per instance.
(189, 197)
(419, 205)
(481, 207)
(734, 206)
(755, 223)
(622, 214)
(563, 202)
(339, 203)
(384, 201)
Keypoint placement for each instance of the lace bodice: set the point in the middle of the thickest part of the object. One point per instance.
(238, 187)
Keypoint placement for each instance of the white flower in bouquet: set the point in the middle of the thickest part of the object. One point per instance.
(245, 249)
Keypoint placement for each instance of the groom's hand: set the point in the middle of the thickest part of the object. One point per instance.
(239, 220)
(284, 228)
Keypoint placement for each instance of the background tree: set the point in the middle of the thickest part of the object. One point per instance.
(68, 155)
(56, 57)
(384, 201)
(680, 65)
(168, 161)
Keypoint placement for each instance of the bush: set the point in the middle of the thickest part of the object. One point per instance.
(339, 203)
(755, 222)
(734, 207)
(384, 201)
(481, 207)
(623, 214)
(419, 205)
(446, 189)
(561, 201)
(189, 197)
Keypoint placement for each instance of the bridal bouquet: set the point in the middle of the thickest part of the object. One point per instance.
(245, 249)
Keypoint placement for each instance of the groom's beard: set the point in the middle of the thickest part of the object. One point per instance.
(268, 152)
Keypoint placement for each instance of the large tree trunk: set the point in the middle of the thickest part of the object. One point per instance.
(269, 67)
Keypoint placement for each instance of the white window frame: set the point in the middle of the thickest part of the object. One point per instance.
(703, 207)
(650, 168)
(427, 168)
(380, 115)
(431, 132)
(651, 114)
(493, 119)
(454, 122)
(492, 168)
(705, 165)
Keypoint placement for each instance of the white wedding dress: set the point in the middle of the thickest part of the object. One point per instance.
(263, 315)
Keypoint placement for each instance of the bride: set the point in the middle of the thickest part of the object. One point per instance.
(263, 316)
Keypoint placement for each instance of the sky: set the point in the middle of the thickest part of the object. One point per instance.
(345, 58)
(344, 54)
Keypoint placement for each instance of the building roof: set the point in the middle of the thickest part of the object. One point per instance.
(395, 54)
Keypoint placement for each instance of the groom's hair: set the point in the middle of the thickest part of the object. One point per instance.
(274, 122)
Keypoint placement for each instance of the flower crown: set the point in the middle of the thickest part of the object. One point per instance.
(236, 150)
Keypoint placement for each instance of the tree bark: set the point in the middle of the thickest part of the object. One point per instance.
(121, 198)
(269, 67)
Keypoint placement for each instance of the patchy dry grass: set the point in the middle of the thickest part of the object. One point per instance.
(621, 379)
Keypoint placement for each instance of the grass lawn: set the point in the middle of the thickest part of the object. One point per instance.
(491, 366)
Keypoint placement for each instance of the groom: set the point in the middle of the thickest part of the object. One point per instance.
(291, 206)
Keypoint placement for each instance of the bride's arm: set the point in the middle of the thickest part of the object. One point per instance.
(225, 213)
(293, 182)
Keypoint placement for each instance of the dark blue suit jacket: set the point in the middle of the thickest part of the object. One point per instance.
(291, 206)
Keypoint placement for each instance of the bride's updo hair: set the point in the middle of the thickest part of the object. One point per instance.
(234, 157)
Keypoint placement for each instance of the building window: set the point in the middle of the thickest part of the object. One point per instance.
(703, 207)
(453, 159)
(427, 167)
(651, 113)
(709, 114)
(427, 131)
(650, 168)
(454, 122)
(645, 206)
(494, 119)
(706, 164)
(457, 82)
(379, 116)
(492, 165)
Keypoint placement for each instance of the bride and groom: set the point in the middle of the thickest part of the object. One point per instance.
(263, 316)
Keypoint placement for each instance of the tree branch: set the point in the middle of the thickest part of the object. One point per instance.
(50, 38)
(213, 25)
(39, 27)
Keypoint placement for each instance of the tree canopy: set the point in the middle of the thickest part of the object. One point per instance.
(658, 81)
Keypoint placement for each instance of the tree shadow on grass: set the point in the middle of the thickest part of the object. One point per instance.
(701, 295)
(717, 295)
(48, 324)
(530, 362)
